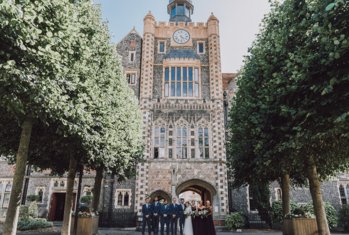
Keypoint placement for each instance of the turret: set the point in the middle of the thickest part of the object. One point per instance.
(180, 10)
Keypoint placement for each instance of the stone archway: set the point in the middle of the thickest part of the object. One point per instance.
(201, 187)
(161, 195)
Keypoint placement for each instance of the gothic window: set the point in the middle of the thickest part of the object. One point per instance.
(170, 142)
(62, 184)
(126, 199)
(159, 142)
(192, 142)
(132, 56)
(181, 143)
(181, 82)
(120, 199)
(278, 194)
(40, 193)
(162, 47)
(87, 191)
(342, 194)
(123, 198)
(201, 48)
(131, 78)
(55, 184)
(204, 148)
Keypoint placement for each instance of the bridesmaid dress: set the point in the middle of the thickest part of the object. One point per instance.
(210, 229)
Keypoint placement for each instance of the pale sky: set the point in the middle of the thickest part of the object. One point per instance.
(239, 21)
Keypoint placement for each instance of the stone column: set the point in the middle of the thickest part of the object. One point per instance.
(146, 92)
(217, 128)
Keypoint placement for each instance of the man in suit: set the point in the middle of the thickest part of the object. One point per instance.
(147, 211)
(174, 209)
(181, 216)
(165, 217)
(156, 215)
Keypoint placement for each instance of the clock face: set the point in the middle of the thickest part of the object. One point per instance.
(181, 36)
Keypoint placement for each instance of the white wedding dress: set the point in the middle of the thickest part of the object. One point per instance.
(188, 225)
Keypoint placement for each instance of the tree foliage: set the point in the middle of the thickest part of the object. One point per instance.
(59, 72)
(291, 112)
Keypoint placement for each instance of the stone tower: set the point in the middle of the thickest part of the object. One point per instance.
(181, 98)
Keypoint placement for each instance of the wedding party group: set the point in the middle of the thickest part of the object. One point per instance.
(190, 217)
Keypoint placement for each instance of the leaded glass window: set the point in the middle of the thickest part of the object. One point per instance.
(182, 82)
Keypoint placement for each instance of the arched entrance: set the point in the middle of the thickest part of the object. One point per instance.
(161, 195)
(200, 187)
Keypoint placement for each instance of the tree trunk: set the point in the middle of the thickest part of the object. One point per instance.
(97, 189)
(315, 190)
(10, 226)
(69, 197)
(286, 200)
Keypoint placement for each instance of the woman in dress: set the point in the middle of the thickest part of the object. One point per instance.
(200, 224)
(210, 229)
(188, 225)
(194, 218)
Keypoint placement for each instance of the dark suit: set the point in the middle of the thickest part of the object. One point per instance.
(156, 217)
(147, 211)
(174, 209)
(181, 217)
(165, 214)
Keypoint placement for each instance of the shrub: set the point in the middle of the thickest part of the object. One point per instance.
(331, 214)
(23, 212)
(344, 217)
(33, 223)
(32, 198)
(33, 209)
(86, 199)
(277, 213)
(234, 221)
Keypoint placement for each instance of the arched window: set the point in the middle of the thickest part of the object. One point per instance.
(8, 187)
(204, 143)
(126, 199)
(342, 194)
(159, 142)
(55, 184)
(120, 199)
(41, 194)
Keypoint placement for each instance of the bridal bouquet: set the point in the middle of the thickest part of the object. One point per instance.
(187, 213)
(203, 214)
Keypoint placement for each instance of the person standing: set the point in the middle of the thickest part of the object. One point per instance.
(210, 228)
(147, 213)
(181, 216)
(174, 208)
(165, 218)
(156, 215)
(188, 224)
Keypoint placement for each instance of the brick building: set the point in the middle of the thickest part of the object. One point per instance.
(174, 69)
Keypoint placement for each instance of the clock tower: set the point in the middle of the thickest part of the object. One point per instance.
(181, 99)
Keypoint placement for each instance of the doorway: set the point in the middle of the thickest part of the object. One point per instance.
(56, 211)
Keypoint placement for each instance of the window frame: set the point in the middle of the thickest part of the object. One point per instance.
(123, 193)
(132, 56)
(198, 47)
(129, 80)
(165, 47)
(170, 84)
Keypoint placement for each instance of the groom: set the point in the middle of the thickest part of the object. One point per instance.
(181, 216)
(175, 212)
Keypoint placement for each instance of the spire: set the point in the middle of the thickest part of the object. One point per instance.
(180, 10)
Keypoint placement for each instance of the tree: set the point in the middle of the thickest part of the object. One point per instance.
(292, 97)
(69, 80)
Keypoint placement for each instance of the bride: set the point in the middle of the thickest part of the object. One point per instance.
(188, 226)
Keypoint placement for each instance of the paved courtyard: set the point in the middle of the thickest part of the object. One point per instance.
(118, 232)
